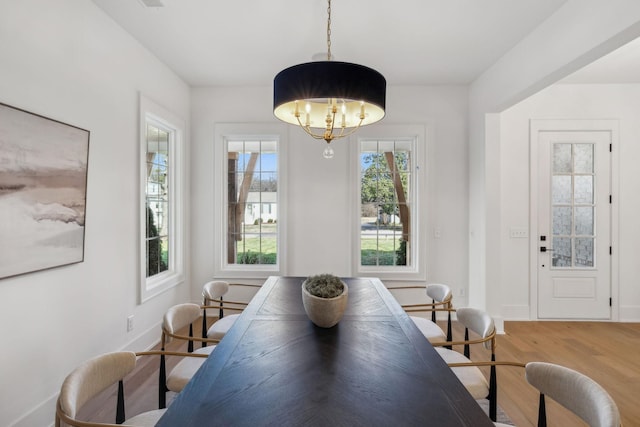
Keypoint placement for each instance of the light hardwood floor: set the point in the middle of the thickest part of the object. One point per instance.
(607, 352)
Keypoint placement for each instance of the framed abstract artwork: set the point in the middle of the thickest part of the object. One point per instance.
(43, 186)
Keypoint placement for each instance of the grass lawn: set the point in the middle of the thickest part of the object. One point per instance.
(256, 250)
(378, 252)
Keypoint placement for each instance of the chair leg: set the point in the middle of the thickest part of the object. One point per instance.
(433, 313)
(190, 344)
(162, 383)
(204, 326)
(221, 312)
(449, 332)
(467, 350)
(542, 413)
(493, 391)
(120, 404)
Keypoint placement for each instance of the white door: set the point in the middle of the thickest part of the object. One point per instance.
(574, 224)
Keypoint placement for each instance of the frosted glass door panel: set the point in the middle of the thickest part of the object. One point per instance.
(572, 205)
(582, 158)
(561, 189)
(562, 158)
(584, 252)
(583, 191)
(584, 221)
(562, 219)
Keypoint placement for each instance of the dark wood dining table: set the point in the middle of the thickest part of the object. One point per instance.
(276, 368)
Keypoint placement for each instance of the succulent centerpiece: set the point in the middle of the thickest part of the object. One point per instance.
(324, 297)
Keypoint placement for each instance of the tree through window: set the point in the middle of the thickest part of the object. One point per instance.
(385, 203)
(252, 193)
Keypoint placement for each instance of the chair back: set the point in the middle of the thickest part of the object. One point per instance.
(439, 292)
(214, 290)
(93, 377)
(479, 322)
(575, 391)
(178, 317)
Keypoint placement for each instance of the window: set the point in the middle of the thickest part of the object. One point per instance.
(388, 239)
(385, 198)
(161, 192)
(251, 225)
(157, 199)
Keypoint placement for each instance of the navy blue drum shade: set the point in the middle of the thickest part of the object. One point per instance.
(308, 88)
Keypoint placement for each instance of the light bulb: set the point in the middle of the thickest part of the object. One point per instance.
(328, 152)
(307, 108)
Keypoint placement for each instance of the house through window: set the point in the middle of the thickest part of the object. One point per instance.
(252, 189)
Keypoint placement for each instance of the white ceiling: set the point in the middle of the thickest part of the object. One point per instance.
(410, 42)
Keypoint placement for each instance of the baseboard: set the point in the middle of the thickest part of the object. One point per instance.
(629, 313)
(43, 414)
(498, 321)
(146, 340)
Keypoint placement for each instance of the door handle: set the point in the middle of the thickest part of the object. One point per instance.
(545, 249)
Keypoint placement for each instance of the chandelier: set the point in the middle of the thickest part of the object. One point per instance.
(329, 99)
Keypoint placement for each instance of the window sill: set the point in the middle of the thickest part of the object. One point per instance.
(158, 284)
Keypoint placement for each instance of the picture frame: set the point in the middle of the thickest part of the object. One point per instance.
(43, 189)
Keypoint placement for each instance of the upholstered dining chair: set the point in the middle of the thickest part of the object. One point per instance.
(573, 390)
(213, 293)
(178, 318)
(441, 300)
(467, 370)
(90, 379)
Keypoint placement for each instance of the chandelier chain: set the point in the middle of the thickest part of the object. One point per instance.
(329, 31)
(338, 97)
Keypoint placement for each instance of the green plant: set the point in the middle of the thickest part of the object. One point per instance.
(401, 253)
(248, 258)
(156, 262)
(324, 285)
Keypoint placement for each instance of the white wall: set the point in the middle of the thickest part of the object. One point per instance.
(66, 60)
(617, 102)
(578, 33)
(315, 183)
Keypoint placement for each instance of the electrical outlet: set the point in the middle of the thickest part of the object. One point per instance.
(462, 292)
(130, 323)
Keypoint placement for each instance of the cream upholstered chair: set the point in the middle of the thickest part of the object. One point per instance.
(441, 298)
(573, 390)
(175, 319)
(213, 298)
(90, 379)
(468, 371)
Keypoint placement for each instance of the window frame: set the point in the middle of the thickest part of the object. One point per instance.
(417, 133)
(157, 116)
(250, 131)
